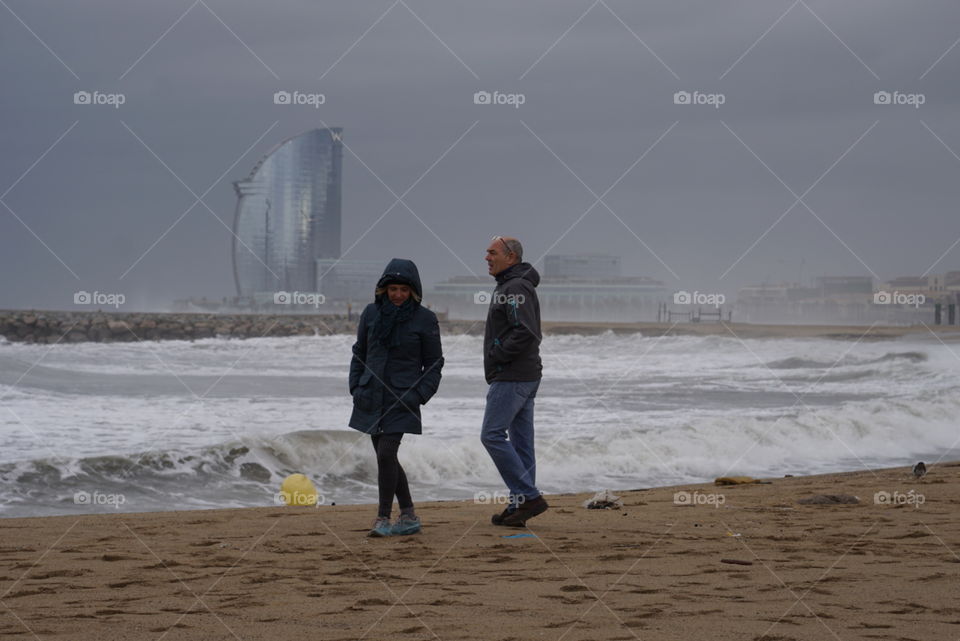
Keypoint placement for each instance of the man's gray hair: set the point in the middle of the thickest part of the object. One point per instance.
(514, 247)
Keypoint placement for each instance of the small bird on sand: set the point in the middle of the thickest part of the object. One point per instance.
(919, 470)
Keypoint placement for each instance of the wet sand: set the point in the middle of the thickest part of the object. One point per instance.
(740, 562)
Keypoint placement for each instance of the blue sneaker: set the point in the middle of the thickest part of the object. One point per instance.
(406, 525)
(381, 527)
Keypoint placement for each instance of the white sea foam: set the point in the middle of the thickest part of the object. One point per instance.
(219, 422)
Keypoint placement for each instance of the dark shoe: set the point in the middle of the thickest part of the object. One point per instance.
(525, 512)
(497, 519)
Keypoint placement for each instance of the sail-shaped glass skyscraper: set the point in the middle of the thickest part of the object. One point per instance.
(288, 215)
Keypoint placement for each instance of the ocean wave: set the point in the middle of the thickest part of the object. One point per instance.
(247, 471)
(797, 362)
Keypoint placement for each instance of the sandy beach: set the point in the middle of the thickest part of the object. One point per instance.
(743, 562)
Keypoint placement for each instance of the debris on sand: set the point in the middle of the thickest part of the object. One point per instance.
(603, 500)
(738, 480)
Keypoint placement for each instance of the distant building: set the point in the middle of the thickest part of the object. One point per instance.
(951, 281)
(771, 295)
(931, 285)
(843, 286)
(586, 287)
(908, 284)
(624, 299)
(581, 266)
(904, 300)
(288, 215)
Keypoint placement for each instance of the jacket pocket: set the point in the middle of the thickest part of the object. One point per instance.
(409, 399)
(365, 395)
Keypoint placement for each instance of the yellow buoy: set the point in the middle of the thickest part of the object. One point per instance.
(297, 489)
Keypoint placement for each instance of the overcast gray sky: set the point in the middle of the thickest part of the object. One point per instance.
(90, 195)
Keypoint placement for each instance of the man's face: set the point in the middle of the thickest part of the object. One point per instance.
(398, 294)
(497, 257)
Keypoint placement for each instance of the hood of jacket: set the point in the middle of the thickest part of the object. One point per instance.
(401, 270)
(520, 270)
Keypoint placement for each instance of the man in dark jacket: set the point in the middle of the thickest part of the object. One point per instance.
(395, 369)
(511, 363)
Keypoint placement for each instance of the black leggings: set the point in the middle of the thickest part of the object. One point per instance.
(390, 476)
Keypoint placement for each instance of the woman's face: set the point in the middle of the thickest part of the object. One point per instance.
(398, 294)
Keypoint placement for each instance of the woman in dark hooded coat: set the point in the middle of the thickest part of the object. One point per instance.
(395, 369)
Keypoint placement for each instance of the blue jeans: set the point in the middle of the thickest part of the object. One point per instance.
(509, 412)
